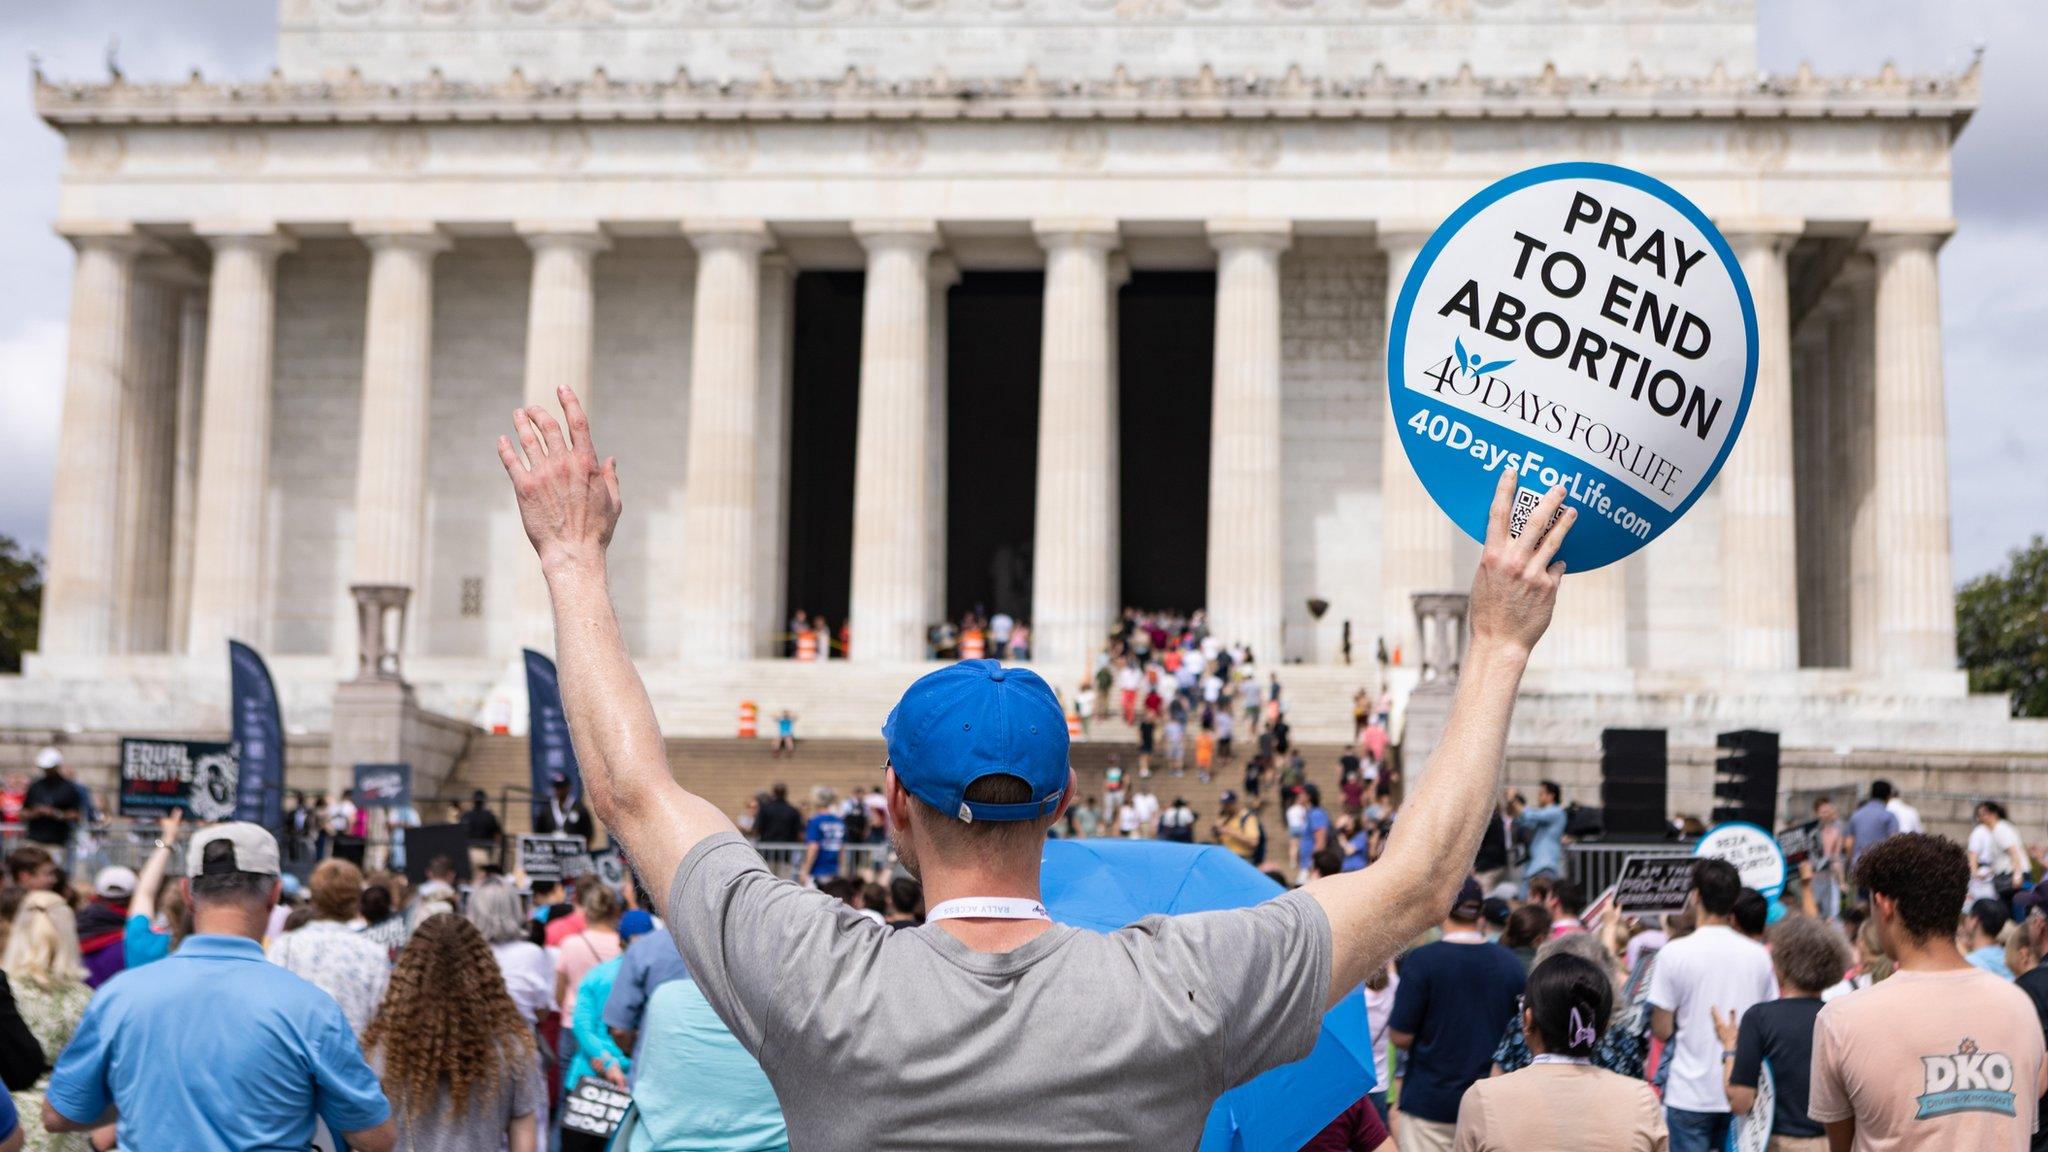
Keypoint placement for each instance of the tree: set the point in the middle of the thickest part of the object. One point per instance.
(2002, 630)
(21, 602)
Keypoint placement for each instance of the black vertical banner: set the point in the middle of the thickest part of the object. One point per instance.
(257, 728)
(547, 730)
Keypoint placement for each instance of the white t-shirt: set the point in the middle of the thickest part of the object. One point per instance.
(1146, 805)
(1909, 816)
(1379, 1008)
(1714, 968)
(1129, 679)
(999, 627)
(1990, 855)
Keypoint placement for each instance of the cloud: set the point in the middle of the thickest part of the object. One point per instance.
(34, 357)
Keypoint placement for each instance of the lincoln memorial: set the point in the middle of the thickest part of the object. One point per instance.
(893, 309)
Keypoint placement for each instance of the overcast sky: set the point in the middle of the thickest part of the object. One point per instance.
(1994, 292)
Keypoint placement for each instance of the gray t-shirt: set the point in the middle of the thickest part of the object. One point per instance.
(908, 1039)
(481, 1128)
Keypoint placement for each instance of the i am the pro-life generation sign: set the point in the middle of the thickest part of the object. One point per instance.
(1583, 325)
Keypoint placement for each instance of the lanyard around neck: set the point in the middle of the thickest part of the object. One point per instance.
(1547, 1058)
(987, 908)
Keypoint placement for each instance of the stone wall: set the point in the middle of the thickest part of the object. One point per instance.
(479, 369)
(1944, 786)
(1333, 397)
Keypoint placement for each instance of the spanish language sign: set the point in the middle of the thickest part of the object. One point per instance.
(595, 1108)
(1584, 325)
(1753, 851)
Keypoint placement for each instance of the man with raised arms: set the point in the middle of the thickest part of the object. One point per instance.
(969, 1031)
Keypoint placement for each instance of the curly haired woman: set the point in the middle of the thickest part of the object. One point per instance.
(455, 1056)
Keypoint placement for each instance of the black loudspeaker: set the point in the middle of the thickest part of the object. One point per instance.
(1746, 778)
(1634, 775)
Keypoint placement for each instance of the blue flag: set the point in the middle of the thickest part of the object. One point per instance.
(256, 727)
(547, 731)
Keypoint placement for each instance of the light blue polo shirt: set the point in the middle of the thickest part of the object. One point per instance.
(215, 1048)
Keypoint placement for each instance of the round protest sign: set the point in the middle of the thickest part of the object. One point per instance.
(1753, 851)
(1584, 325)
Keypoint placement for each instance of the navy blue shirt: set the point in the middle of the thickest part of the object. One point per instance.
(215, 1048)
(1455, 999)
(1779, 1034)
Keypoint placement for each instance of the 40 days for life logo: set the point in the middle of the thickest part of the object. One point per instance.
(1583, 325)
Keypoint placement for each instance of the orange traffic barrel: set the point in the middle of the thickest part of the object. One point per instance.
(750, 717)
(807, 646)
(972, 646)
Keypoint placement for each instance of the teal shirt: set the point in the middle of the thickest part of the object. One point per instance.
(142, 944)
(695, 1088)
(587, 1022)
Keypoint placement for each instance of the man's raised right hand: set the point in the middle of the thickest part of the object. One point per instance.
(568, 501)
(1516, 586)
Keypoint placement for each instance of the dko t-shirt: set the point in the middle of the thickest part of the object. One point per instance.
(909, 1039)
(1930, 1060)
(828, 832)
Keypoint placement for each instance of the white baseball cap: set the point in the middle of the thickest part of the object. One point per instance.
(114, 882)
(255, 850)
(49, 758)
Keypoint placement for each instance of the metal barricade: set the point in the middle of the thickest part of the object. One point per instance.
(1596, 864)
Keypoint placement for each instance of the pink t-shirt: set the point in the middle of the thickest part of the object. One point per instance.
(1930, 1060)
(579, 954)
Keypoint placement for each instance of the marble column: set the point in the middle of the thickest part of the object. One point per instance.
(1858, 283)
(229, 598)
(185, 461)
(890, 530)
(1073, 599)
(943, 274)
(1415, 535)
(1916, 599)
(391, 460)
(561, 306)
(771, 456)
(1244, 576)
(1759, 569)
(717, 591)
(148, 441)
(78, 611)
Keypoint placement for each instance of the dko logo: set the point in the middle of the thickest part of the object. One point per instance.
(1969, 1081)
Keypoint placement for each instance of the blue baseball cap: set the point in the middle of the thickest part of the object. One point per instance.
(635, 923)
(973, 719)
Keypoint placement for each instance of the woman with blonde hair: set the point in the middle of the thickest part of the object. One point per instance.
(454, 1054)
(47, 972)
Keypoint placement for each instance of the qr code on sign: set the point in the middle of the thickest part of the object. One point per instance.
(1526, 500)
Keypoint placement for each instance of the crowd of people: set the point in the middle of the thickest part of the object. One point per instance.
(243, 1009)
(921, 996)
